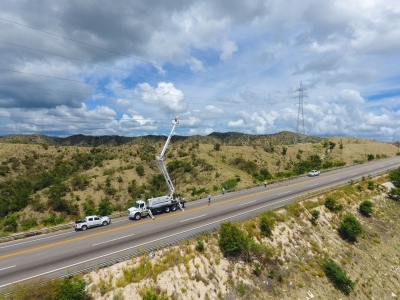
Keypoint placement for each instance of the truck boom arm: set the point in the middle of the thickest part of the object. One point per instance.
(160, 159)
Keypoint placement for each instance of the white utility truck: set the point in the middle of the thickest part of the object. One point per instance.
(91, 221)
(159, 204)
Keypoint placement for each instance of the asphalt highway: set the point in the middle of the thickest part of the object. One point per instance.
(56, 254)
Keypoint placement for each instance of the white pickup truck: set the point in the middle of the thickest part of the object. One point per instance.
(91, 221)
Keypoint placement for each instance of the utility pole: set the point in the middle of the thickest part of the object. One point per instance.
(300, 115)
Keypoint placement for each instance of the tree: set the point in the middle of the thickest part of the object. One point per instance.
(217, 147)
(232, 240)
(350, 228)
(105, 207)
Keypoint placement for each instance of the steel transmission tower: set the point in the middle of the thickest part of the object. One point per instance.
(300, 116)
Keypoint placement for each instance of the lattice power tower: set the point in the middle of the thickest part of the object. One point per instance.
(300, 116)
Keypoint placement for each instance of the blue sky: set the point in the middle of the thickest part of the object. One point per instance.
(128, 67)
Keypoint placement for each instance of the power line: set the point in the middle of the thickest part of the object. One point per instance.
(124, 55)
(103, 85)
(115, 97)
(111, 67)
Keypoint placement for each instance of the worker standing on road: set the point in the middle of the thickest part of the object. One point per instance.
(265, 183)
(209, 199)
(223, 191)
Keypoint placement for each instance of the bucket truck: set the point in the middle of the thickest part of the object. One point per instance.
(159, 204)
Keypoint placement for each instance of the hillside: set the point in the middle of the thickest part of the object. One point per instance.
(287, 263)
(43, 184)
(293, 267)
(228, 138)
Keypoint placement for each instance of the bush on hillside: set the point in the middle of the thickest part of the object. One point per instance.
(337, 276)
(229, 184)
(350, 228)
(232, 239)
(267, 223)
(366, 208)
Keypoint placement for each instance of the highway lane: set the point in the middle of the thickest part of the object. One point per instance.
(53, 254)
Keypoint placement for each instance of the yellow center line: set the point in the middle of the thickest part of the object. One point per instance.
(167, 216)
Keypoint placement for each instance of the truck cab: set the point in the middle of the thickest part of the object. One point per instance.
(138, 211)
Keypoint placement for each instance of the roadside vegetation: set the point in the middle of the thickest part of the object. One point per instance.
(303, 248)
(44, 184)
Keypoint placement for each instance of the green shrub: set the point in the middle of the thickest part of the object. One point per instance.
(200, 245)
(232, 239)
(59, 289)
(28, 223)
(337, 276)
(11, 223)
(366, 208)
(371, 185)
(350, 228)
(140, 170)
(395, 177)
(241, 288)
(267, 224)
(229, 184)
(314, 217)
(105, 207)
(330, 203)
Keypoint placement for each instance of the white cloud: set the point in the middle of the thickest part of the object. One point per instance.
(236, 124)
(228, 48)
(165, 96)
(217, 65)
(195, 64)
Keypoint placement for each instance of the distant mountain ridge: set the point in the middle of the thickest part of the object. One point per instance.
(226, 138)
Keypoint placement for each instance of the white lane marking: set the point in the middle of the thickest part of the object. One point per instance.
(354, 174)
(122, 237)
(7, 268)
(369, 170)
(313, 184)
(129, 248)
(193, 218)
(335, 178)
(284, 193)
(119, 221)
(247, 203)
(47, 237)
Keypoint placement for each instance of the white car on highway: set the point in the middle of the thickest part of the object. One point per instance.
(313, 173)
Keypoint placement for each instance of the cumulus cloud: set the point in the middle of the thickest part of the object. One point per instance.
(165, 96)
(235, 64)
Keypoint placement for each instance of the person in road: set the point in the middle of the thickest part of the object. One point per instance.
(209, 199)
(265, 183)
(223, 191)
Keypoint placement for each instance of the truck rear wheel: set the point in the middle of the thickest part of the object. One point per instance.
(167, 209)
(105, 223)
(84, 227)
(173, 207)
(137, 217)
